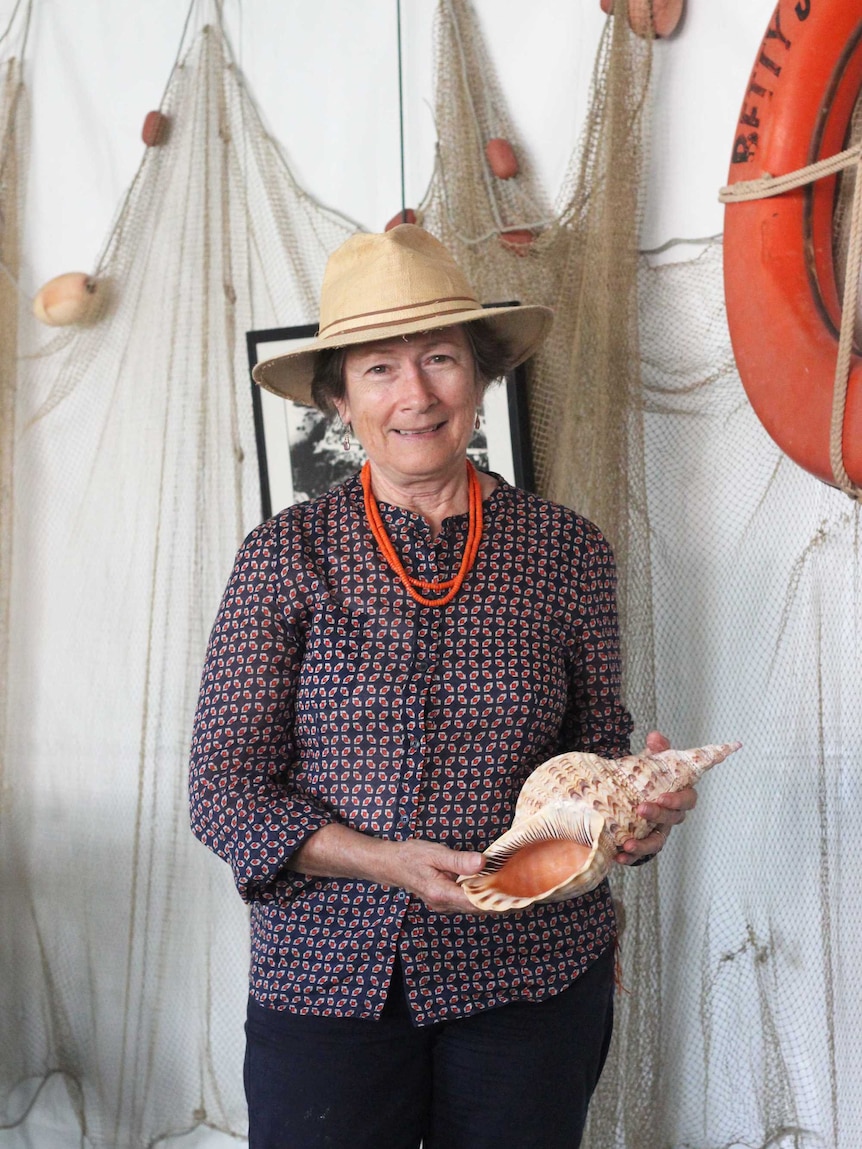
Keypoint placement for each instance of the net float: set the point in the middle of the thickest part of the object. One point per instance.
(517, 240)
(409, 215)
(66, 299)
(501, 158)
(666, 14)
(155, 129)
(572, 816)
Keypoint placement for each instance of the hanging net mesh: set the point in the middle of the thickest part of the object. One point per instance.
(756, 586)
(586, 417)
(124, 947)
(585, 381)
(740, 605)
(13, 141)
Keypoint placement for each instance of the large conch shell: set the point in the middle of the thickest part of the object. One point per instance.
(573, 814)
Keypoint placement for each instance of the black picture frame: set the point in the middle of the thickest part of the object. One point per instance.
(299, 453)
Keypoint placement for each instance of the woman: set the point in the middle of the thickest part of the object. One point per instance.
(389, 663)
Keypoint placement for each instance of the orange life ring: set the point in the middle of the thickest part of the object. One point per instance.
(783, 305)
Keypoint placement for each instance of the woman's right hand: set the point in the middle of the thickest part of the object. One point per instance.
(426, 869)
(429, 870)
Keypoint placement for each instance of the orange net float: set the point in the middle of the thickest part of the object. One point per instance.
(409, 215)
(501, 158)
(781, 296)
(67, 299)
(155, 129)
(666, 15)
(518, 240)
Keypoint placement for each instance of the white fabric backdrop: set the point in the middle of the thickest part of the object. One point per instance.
(325, 76)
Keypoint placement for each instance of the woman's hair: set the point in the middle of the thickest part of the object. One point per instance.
(491, 352)
(327, 383)
(492, 358)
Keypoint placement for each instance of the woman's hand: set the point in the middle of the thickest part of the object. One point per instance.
(427, 869)
(666, 811)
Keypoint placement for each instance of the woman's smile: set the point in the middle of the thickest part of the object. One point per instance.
(416, 432)
(412, 404)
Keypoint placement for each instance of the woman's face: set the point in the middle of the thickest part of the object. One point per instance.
(412, 402)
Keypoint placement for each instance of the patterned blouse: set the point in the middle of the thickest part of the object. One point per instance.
(329, 695)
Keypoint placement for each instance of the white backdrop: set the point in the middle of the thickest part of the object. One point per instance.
(325, 75)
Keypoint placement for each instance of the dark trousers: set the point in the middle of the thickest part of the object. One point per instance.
(516, 1077)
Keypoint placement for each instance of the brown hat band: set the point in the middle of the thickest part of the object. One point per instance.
(399, 316)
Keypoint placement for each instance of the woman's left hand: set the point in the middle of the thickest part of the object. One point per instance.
(665, 811)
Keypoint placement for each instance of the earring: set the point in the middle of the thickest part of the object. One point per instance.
(478, 422)
(345, 442)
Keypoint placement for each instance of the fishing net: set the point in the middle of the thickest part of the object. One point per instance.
(586, 416)
(755, 569)
(13, 147)
(124, 951)
(124, 948)
(135, 481)
(584, 385)
(740, 605)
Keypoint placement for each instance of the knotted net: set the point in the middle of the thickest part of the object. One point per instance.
(586, 416)
(134, 479)
(740, 605)
(13, 153)
(123, 959)
(755, 575)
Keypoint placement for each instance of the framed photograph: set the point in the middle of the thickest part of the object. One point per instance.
(300, 453)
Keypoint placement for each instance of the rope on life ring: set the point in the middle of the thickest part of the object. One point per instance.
(782, 300)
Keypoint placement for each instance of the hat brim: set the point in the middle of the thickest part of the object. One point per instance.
(289, 375)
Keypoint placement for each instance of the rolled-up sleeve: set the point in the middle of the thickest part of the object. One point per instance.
(244, 804)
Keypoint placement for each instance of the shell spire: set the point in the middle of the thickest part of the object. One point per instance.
(680, 768)
(573, 814)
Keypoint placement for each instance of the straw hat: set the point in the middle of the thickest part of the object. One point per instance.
(396, 283)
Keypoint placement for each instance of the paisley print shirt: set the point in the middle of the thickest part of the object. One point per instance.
(329, 695)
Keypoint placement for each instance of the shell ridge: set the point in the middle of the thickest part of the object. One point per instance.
(568, 817)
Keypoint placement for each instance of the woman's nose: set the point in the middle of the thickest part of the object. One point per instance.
(416, 390)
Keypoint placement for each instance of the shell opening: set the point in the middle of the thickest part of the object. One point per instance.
(554, 854)
(538, 867)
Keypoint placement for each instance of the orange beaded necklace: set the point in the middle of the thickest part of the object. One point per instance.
(474, 537)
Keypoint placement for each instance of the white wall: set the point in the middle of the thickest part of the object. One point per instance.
(325, 74)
